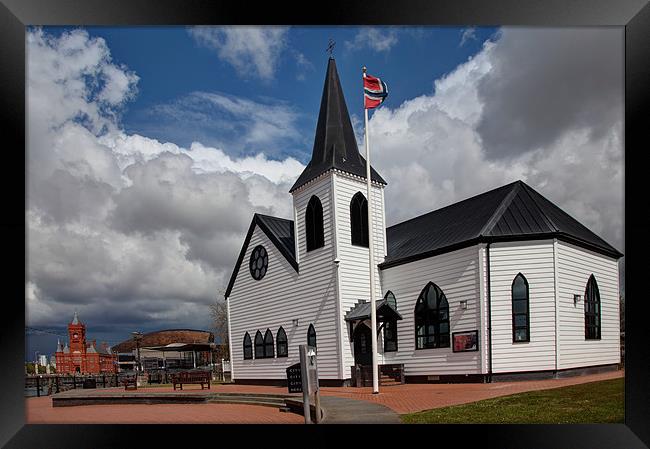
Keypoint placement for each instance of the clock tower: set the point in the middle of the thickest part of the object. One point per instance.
(77, 334)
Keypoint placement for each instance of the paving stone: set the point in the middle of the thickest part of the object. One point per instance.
(342, 405)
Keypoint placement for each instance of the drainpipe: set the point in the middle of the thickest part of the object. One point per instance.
(489, 312)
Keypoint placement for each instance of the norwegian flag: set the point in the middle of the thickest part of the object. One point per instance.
(375, 91)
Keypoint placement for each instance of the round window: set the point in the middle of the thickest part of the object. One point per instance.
(259, 262)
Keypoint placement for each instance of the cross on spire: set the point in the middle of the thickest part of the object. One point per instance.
(330, 46)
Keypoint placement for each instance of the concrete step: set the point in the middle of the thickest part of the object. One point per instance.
(255, 395)
(248, 398)
(248, 402)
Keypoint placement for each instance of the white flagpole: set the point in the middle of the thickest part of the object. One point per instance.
(371, 258)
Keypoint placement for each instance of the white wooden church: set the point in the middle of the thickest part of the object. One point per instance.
(501, 285)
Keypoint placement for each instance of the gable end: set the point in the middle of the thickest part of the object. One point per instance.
(257, 221)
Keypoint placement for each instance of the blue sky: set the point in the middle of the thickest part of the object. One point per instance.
(150, 148)
(171, 65)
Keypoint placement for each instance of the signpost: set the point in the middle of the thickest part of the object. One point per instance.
(294, 379)
(303, 378)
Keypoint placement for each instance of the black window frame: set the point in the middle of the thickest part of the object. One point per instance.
(282, 342)
(269, 344)
(314, 229)
(390, 327)
(516, 327)
(259, 345)
(359, 220)
(428, 317)
(253, 261)
(248, 347)
(391, 300)
(311, 334)
(592, 309)
(390, 336)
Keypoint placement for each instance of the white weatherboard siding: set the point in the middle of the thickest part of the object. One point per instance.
(575, 266)
(483, 333)
(354, 277)
(457, 275)
(534, 259)
(283, 295)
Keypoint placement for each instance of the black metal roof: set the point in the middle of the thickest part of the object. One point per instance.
(511, 212)
(279, 231)
(508, 213)
(335, 145)
(361, 311)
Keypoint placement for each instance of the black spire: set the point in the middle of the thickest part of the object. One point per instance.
(334, 145)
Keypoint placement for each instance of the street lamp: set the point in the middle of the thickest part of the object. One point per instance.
(137, 336)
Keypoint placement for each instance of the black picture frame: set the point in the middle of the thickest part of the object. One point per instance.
(472, 333)
(634, 15)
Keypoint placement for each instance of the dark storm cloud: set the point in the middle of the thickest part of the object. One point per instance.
(63, 197)
(544, 82)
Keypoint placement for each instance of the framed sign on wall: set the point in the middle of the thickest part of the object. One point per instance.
(465, 341)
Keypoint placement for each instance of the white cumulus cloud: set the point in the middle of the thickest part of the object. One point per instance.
(375, 38)
(251, 50)
(485, 125)
(130, 231)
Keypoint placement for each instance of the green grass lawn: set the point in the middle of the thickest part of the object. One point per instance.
(594, 402)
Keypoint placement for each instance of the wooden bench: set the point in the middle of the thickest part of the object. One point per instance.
(130, 382)
(191, 377)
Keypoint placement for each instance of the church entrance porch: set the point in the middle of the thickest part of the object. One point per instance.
(361, 337)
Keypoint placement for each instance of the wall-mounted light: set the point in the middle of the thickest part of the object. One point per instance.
(576, 299)
(463, 304)
(294, 321)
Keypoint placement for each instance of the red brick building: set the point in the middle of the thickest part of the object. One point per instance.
(83, 357)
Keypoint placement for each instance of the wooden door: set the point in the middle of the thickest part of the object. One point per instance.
(362, 345)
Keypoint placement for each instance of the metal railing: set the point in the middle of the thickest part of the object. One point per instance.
(45, 385)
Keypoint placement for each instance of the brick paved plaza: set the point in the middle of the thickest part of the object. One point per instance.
(400, 398)
(40, 411)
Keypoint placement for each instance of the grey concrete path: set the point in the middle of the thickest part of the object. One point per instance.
(352, 411)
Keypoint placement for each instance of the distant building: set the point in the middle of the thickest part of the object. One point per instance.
(83, 357)
(42, 359)
(167, 349)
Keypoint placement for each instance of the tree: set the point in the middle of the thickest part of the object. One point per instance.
(219, 313)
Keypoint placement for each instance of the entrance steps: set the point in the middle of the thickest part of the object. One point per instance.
(389, 374)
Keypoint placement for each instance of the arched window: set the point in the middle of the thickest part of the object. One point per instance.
(311, 336)
(520, 309)
(592, 310)
(248, 347)
(259, 345)
(314, 224)
(391, 300)
(390, 336)
(390, 327)
(283, 345)
(269, 350)
(431, 318)
(359, 220)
